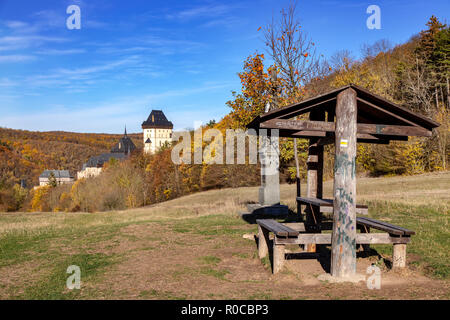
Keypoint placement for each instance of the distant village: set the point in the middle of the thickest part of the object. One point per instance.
(157, 131)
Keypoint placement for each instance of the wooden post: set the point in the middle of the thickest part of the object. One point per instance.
(263, 240)
(314, 181)
(343, 243)
(299, 194)
(278, 257)
(365, 247)
(399, 255)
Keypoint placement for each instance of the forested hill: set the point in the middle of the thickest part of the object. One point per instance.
(25, 154)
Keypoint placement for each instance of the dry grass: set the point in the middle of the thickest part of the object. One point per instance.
(163, 251)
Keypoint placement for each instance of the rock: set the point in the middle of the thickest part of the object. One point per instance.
(249, 236)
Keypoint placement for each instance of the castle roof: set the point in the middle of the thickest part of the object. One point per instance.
(56, 173)
(157, 119)
(125, 145)
(99, 161)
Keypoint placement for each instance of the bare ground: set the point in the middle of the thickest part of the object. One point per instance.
(174, 269)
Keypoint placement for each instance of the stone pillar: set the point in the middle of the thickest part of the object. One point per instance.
(269, 192)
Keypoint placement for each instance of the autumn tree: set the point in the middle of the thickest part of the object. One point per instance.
(295, 58)
(255, 91)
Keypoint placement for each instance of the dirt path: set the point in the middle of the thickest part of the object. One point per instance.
(185, 265)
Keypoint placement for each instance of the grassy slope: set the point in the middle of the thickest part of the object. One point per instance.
(36, 248)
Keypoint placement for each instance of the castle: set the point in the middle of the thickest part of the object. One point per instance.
(122, 149)
(157, 131)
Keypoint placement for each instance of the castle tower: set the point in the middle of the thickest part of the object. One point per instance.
(125, 145)
(157, 131)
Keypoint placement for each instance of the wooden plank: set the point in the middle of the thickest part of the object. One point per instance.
(379, 129)
(263, 242)
(297, 226)
(308, 134)
(278, 257)
(325, 238)
(363, 211)
(394, 108)
(404, 230)
(318, 107)
(317, 100)
(277, 228)
(314, 180)
(376, 225)
(384, 111)
(299, 194)
(326, 205)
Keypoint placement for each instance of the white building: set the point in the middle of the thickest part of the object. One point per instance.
(157, 131)
(59, 176)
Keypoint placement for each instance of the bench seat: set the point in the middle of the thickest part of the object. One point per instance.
(383, 226)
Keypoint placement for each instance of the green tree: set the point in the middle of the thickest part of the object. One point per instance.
(52, 180)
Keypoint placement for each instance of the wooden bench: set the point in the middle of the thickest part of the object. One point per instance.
(326, 205)
(395, 232)
(293, 233)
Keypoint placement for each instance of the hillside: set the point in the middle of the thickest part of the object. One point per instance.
(196, 241)
(25, 154)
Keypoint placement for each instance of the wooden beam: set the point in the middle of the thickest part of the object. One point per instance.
(361, 238)
(375, 107)
(378, 129)
(263, 242)
(305, 133)
(343, 243)
(319, 107)
(361, 137)
(314, 180)
(278, 257)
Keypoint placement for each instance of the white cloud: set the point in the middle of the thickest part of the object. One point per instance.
(97, 69)
(16, 58)
(213, 10)
(60, 52)
(23, 42)
(110, 116)
(16, 24)
(5, 82)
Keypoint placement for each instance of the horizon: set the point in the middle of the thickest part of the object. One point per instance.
(180, 58)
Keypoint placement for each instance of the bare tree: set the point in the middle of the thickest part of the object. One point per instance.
(342, 60)
(294, 55)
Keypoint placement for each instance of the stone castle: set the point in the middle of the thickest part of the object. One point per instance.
(157, 132)
(121, 150)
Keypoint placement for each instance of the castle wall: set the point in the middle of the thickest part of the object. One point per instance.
(89, 172)
(158, 138)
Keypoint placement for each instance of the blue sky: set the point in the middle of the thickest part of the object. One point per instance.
(179, 56)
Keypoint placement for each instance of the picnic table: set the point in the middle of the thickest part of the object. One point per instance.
(326, 205)
(342, 117)
(296, 234)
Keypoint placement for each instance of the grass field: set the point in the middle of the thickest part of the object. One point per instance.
(193, 248)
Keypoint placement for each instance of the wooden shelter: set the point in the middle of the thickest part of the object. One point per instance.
(344, 117)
